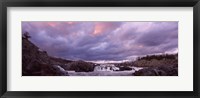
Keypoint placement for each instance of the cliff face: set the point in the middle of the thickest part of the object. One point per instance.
(38, 63)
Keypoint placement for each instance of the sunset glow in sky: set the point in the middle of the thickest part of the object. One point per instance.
(103, 40)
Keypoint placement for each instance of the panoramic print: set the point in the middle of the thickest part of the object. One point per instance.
(99, 48)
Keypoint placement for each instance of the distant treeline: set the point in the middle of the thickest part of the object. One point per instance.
(159, 57)
(157, 60)
(153, 60)
(157, 65)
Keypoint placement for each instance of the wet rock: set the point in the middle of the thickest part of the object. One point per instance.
(158, 71)
(81, 66)
(123, 68)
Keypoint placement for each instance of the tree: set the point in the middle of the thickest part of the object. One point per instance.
(26, 35)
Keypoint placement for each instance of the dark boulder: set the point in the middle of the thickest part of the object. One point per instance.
(123, 68)
(158, 71)
(81, 66)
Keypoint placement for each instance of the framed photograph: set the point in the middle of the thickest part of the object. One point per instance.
(85, 48)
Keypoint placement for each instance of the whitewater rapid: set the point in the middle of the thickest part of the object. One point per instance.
(105, 72)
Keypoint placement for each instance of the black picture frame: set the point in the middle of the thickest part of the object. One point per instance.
(98, 3)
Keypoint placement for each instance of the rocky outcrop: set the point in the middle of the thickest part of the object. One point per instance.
(123, 68)
(36, 62)
(81, 66)
(158, 71)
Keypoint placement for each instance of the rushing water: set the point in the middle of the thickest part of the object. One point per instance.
(102, 73)
(105, 70)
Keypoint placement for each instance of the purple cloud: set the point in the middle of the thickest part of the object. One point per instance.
(103, 40)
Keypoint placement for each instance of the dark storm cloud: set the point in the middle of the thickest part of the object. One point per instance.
(159, 35)
(103, 40)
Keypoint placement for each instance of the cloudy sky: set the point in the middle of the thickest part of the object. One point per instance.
(94, 41)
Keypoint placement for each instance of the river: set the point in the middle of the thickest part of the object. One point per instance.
(105, 72)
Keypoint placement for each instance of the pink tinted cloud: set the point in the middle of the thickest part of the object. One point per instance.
(83, 40)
